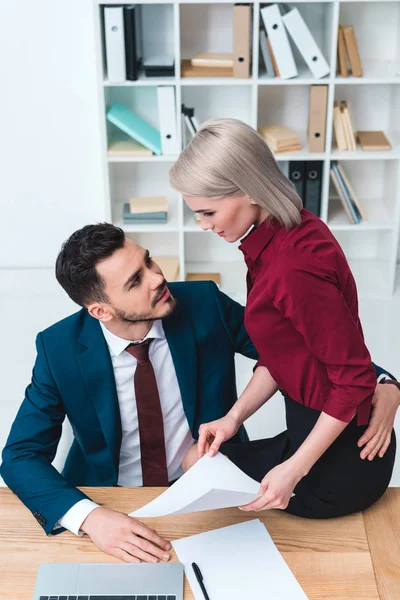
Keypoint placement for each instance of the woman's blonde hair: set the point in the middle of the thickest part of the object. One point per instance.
(227, 157)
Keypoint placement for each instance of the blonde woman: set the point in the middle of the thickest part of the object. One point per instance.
(302, 316)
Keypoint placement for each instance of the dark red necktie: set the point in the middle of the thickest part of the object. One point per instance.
(151, 425)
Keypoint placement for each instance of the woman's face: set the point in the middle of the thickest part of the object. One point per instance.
(230, 217)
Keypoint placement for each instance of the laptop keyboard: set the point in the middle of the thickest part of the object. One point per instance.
(108, 597)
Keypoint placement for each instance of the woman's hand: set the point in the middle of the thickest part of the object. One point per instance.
(213, 434)
(276, 488)
(385, 404)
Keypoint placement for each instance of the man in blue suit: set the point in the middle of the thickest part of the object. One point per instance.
(136, 371)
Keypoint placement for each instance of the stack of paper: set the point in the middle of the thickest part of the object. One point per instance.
(146, 210)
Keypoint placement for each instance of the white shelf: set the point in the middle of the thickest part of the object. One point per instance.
(186, 26)
(397, 281)
(374, 208)
(141, 159)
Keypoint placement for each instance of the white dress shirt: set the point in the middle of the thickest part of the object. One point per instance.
(178, 437)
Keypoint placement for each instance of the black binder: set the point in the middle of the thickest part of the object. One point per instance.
(132, 41)
(297, 171)
(312, 197)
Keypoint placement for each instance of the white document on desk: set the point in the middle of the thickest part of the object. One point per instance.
(213, 482)
(238, 562)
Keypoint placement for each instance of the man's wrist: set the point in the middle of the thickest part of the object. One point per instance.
(390, 381)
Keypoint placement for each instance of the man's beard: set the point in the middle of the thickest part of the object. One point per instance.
(126, 317)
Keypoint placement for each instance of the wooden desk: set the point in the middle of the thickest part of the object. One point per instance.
(355, 557)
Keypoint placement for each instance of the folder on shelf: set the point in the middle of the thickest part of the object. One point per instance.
(352, 50)
(114, 38)
(338, 128)
(297, 175)
(215, 277)
(342, 58)
(148, 204)
(133, 40)
(313, 186)
(279, 41)
(272, 55)
(373, 141)
(136, 127)
(188, 70)
(167, 119)
(169, 267)
(317, 118)
(280, 138)
(269, 67)
(156, 218)
(242, 14)
(213, 59)
(127, 148)
(306, 44)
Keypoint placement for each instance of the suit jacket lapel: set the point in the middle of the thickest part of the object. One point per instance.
(179, 332)
(98, 375)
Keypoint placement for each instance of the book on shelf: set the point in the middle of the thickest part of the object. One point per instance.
(148, 204)
(127, 148)
(156, 218)
(135, 127)
(188, 70)
(215, 277)
(343, 127)
(159, 66)
(212, 59)
(351, 46)
(347, 196)
(342, 55)
(169, 266)
(133, 40)
(280, 138)
(373, 141)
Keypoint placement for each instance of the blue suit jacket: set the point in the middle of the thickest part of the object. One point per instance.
(73, 376)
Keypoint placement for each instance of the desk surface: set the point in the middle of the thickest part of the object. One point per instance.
(355, 557)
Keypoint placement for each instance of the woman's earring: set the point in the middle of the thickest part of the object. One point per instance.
(252, 201)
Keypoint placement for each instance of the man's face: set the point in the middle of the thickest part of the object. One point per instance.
(135, 285)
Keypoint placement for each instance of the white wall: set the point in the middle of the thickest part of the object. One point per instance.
(50, 153)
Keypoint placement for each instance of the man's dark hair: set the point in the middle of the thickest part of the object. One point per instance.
(80, 253)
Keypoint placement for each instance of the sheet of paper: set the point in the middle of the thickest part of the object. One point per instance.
(213, 482)
(238, 562)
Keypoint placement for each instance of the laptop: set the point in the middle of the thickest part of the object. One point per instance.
(127, 581)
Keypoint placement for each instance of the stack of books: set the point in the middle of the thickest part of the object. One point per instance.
(346, 194)
(348, 55)
(343, 127)
(208, 64)
(275, 45)
(152, 210)
(280, 138)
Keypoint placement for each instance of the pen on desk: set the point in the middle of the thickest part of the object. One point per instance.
(199, 578)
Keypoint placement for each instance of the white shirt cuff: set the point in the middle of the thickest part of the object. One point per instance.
(383, 376)
(75, 516)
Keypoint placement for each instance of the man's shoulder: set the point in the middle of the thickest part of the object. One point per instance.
(71, 324)
(193, 290)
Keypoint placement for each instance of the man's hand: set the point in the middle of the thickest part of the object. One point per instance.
(376, 438)
(124, 537)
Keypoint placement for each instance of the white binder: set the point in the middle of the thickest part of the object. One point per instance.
(167, 119)
(279, 41)
(306, 44)
(115, 43)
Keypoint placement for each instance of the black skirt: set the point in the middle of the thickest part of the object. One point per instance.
(338, 484)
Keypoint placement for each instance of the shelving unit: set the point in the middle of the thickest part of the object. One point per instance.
(182, 28)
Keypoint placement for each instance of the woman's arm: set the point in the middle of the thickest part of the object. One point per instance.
(260, 388)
